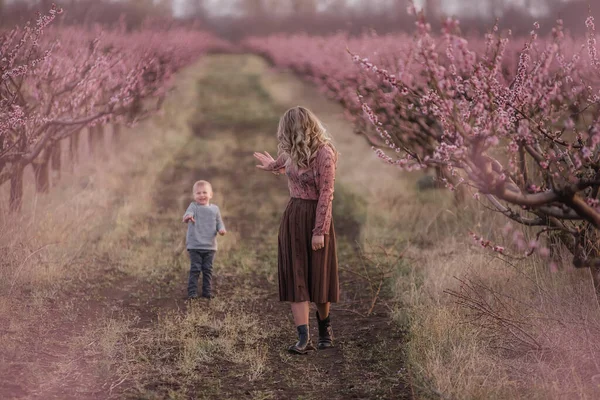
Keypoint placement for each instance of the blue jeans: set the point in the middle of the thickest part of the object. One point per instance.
(201, 261)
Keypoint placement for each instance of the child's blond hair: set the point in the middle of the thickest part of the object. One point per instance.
(301, 135)
(199, 183)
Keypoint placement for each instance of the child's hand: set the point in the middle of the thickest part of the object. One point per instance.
(188, 218)
(222, 232)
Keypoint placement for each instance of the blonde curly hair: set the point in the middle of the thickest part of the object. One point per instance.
(301, 135)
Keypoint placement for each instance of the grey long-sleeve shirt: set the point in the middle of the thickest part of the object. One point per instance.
(202, 235)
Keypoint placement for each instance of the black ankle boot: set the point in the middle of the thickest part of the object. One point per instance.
(325, 333)
(304, 344)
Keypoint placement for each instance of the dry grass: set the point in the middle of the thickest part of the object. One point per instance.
(173, 355)
(109, 312)
(234, 346)
(528, 333)
(478, 328)
(40, 245)
(197, 349)
(50, 263)
(204, 344)
(181, 352)
(483, 328)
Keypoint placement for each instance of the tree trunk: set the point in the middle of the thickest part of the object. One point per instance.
(56, 158)
(96, 141)
(116, 137)
(16, 188)
(595, 271)
(160, 101)
(42, 176)
(74, 148)
(589, 246)
(42, 172)
(92, 140)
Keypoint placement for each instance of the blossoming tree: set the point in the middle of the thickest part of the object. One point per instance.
(56, 81)
(517, 125)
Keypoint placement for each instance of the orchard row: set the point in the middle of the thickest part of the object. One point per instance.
(513, 122)
(56, 81)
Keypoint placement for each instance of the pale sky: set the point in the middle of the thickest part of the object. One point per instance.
(451, 7)
(223, 7)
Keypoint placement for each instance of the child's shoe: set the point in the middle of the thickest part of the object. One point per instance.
(191, 297)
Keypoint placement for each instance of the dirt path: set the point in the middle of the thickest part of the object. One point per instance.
(242, 335)
(136, 336)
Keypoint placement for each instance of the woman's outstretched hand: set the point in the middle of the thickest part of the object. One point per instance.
(264, 159)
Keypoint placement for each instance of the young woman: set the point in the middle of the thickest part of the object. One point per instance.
(307, 258)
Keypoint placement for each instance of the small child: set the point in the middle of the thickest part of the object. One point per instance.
(204, 222)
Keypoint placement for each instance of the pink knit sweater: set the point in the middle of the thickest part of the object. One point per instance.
(314, 183)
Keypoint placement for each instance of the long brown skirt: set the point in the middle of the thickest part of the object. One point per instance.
(304, 274)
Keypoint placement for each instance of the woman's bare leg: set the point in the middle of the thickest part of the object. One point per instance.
(300, 312)
(323, 309)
